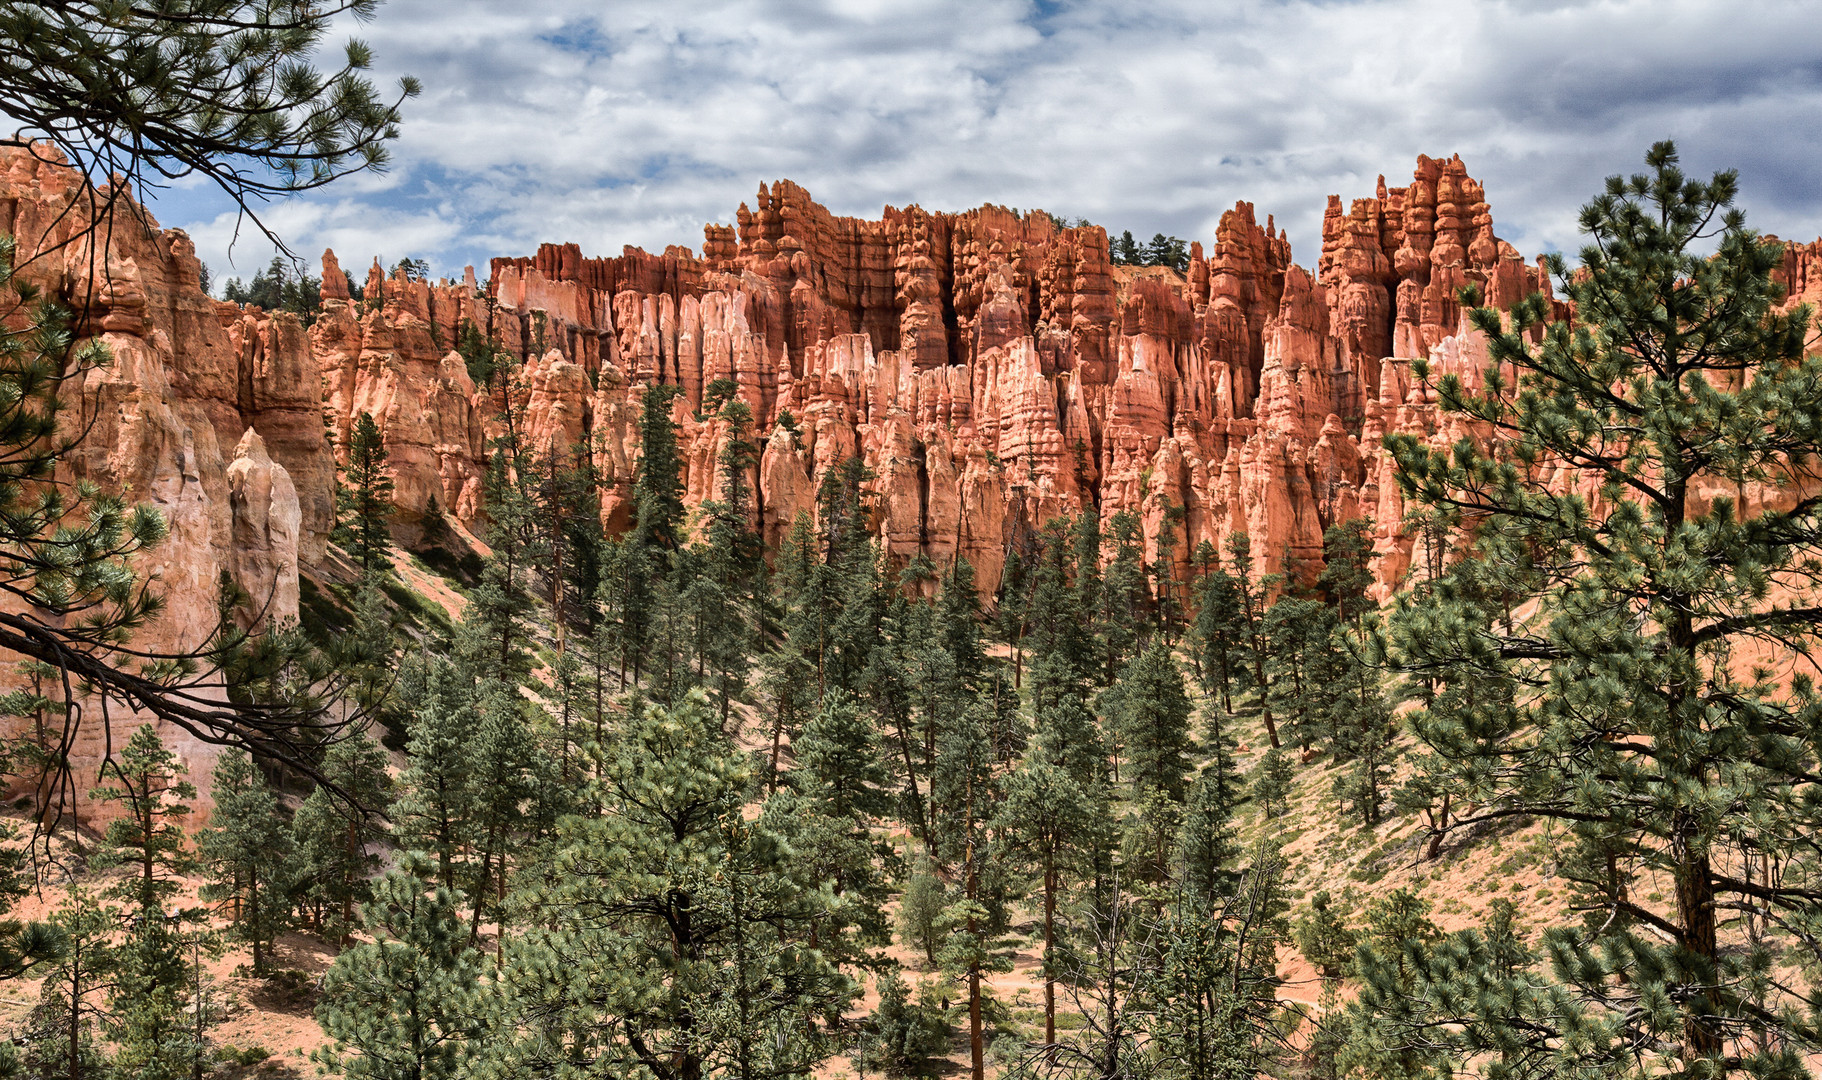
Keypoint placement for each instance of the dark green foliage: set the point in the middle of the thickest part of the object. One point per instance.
(152, 983)
(1124, 598)
(1660, 753)
(725, 590)
(1061, 599)
(1160, 250)
(901, 1035)
(363, 497)
(505, 773)
(840, 759)
(485, 361)
(1152, 711)
(1049, 819)
(842, 855)
(1207, 995)
(1220, 636)
(1298, 655)
(63, 1037)
(248, 853)
(1206, 845)
(923, 902)
(407, 1000)
(1324, 937)
(1125, 250)
(1168, 251)
(668, 933)
(279, 287)
(225, 90)
(1271, 782)
(658, 487)
(333, 830)
(1346, 574)
(146, 781)
(434, 810)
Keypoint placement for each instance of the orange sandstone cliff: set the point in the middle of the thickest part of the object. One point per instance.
(993, 370)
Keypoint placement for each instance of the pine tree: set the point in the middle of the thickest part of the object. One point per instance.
(902, 1035)
(434, 814)
(843, 855)
(922, 902)
(1060, 614)
(1046, 815)
(1252, 593)
(1207, 845)
(154, 983)
(1221, 640)
(1125, 250)
(1271, 782)
(962, 781)
(503, 771)
(147, 782)
(493, 641)
(658, 484)
(1153, 715)
(1649, 740)
(364, 497)
(333, 830)
(408, 999)
(1123, 613)
(63, 1026)
(1299, 666)
(152, 974)
(668, 933)
(839, 755)
(1069, 736)
(726, 593)
(1323, 936)
(1206, 987)
(248, 853)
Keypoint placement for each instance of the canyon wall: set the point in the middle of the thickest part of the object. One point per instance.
(993, 370)
(210, 414)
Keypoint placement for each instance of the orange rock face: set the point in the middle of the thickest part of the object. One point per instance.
(210, 414)
(993, 370)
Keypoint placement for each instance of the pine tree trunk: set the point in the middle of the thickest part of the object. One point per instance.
(259, 965)
(976, 1049)
(1265, 698)
(480, 898)
(1050, 982)
(1439, 827)
(76, 1016)
(1696, 914)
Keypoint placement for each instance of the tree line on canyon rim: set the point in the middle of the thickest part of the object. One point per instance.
(666, 803)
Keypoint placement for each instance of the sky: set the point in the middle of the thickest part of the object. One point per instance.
(634, 122)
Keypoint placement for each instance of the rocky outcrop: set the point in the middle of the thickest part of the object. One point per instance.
(209, 414)
(995, 370)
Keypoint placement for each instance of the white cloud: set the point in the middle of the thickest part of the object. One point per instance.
(636, 122)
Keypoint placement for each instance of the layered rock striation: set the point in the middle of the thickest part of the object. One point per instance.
(993, 370)
(210, 414)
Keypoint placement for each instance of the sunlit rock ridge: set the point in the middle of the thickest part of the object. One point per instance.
(993, 370)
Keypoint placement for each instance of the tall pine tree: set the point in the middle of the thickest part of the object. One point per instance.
(1650, 740)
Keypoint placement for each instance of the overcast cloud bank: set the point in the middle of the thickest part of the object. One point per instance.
(636, 122)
